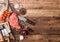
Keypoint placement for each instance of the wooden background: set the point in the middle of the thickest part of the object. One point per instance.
(46, 15)
(45, 8)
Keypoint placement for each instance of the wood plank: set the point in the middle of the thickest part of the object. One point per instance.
(41, 38)
(29, 1)
(46, 26)
(42, 13)
(37, 1)
(42, 4)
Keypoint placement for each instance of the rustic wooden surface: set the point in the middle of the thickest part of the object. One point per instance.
(36, 4)
(45, 8)
(47, 29)
(41, 38)
(46, 15)
(42, 13)
(46, 25)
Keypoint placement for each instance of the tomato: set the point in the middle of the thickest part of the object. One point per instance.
(2, 15)
(5, 15)
(3, 18)
(8, 14)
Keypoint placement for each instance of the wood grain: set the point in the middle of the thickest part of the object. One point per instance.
(38, 4)
(41, 38)
(46, 25)
(46, 15)
(42, 13)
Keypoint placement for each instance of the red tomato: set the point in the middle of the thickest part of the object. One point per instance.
(3, 18)
(8, 14)
(2, 15)
(5, 15)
